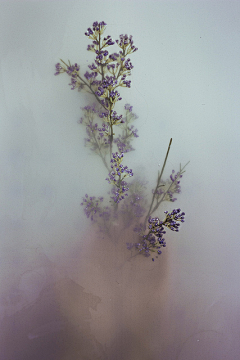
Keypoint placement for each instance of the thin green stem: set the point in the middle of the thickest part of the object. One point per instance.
(158, 183)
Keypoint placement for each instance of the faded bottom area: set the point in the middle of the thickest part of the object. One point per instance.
(96, 301)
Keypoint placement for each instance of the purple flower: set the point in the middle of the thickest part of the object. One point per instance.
(108, 41)
(117, 176)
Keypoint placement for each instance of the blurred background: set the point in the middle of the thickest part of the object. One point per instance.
(66, 292)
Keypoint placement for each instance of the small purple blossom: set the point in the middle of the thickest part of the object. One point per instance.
(97, 26)
(116, 119)
(128, 65)
(108, 40)
(59, 69)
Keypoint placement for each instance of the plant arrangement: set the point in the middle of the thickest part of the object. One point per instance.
(110, 136)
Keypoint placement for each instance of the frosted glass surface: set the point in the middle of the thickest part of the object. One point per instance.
(66, 291)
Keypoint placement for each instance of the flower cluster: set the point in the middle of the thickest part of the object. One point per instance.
(173, 219)
(126, 43)
(98, 133)
(91, 206)
(154, 240)
(117, 176)
(98, 27)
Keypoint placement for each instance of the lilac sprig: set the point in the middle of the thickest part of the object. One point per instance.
(154, 240)
(158, 195)
(117, 176)
(166, 190)
(108, 72)
(113, 70)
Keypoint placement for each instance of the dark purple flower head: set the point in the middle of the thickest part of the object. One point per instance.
(108, 41)
(116, 119)
(128, 65)
(173, 219)
(96, 27)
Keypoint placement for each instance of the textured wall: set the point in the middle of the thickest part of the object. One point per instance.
(66, 291)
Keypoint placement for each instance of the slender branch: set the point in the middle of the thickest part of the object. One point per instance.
(158, 182)
(163, 195)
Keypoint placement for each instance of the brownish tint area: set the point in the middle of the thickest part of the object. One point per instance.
(104, 305)
(130, 321)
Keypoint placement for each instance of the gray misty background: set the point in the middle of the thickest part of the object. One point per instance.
(66, 292)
